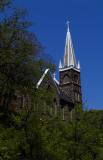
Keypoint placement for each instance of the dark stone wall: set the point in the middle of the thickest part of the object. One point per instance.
(71, 85)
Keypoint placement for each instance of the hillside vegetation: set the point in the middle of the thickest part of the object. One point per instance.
(24, 135)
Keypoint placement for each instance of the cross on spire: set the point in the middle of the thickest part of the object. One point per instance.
(68, 22)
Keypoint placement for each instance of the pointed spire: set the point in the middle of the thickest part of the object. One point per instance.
(69, 56)
(54, 78)
(60, 64)
(54, 75)
(72, 62)
(78, 66)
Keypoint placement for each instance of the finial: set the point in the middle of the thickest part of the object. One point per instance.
(78, 66)
(60, 64)
(68, 22)
(54, 75)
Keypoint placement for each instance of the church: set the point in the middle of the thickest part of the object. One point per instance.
(68, 88)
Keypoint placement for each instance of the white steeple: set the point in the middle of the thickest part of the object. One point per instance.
(69, 56)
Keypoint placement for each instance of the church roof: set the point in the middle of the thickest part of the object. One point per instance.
(54, 80)
(41, 79)
(61, 94)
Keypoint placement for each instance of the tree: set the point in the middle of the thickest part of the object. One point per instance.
(19, 56)
(4, 4)
(82, 138)
(20, 67)
(25, 134)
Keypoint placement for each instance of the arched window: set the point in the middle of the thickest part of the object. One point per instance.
(77, 96)
(66, 79)
(76, 79)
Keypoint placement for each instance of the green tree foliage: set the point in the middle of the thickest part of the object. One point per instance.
(4, 4)
(28, 137)
(20, 59)
(33, 133)
(83, 137)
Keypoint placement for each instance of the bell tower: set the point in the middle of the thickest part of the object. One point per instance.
(69, 72)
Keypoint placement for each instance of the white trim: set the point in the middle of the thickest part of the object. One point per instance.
(43, 76)
(78, 66)
(56, 81)
(41, 79)
(71, 67)
(60, 64)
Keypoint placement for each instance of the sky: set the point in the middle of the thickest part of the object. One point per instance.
(49, 19)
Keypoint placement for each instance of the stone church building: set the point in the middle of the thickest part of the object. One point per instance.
(68, 88)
